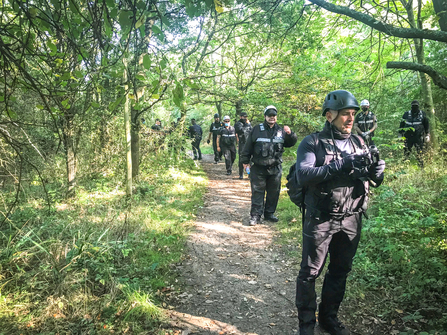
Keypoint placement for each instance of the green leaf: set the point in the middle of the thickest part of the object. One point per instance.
(155, 96)
(78, 74)
(163, 63)
(147, 62)
(52, 47)
(178, 94)
(139, 23)
(2, 98)
(40, 107)
(140, 77)
(95, 104)
(155, 29)
(125, 19)
(110, 3)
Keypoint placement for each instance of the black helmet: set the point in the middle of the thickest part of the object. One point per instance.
(216, 115)
(340, 99)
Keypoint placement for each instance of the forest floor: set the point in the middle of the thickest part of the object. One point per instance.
(236, 279)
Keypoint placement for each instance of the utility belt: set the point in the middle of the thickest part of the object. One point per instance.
(318, 214)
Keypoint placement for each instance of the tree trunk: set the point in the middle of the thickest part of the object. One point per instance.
(127, 121)
(440, 7)
(239, 104)
(70, 155)
(135, 144)
(219, 108)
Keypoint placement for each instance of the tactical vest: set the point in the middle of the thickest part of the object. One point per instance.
(366, 122)
(342, 195)
(243, 131)
(228, 136)
(268, 151)
(414, 122)
(215, 128)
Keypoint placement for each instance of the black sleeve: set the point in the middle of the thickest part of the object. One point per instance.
(247, 151)
(201, 131)
(290, 139)
(426, 124)
(402, 123)
(237, 127)
(306, 158)
(211, 128)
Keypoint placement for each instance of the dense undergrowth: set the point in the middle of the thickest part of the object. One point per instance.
(97, 263)
(398, 284)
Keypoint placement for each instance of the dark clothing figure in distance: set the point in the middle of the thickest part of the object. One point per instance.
(195, 132)
(226, 144)
(418, 135)
(243, 129)
(157, 125)
(365, 123)
(333, 168)
(215, 128)
(264, 147)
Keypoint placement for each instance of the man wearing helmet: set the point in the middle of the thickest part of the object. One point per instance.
(365, 123)
(335, 172)
(214, 130)
(243, 129)
(226, 143)
(264, 146)
(415, 127)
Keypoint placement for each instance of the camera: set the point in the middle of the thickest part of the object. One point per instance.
(374, 154)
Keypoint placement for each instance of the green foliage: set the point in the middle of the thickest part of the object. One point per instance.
(98, 262)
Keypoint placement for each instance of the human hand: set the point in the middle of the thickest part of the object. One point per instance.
(246, 166)
(287, 130)
(208, 142)
(376, 170)
(353, 161)
(218, 149)
(427, 138)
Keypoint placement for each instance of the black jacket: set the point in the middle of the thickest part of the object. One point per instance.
(243, 129)
(215, 129)
(418, 122)
(195, 131)
(365, 122)
(329, 188)
(227, 137)
(265, 145)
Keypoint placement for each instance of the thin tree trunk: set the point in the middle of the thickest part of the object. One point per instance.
(127, 121)
(135, 144)
(70, 155)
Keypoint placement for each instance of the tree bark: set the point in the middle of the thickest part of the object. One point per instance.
(385, 28)
(437, 78)
(135, 144)
(70, 154)
(127, 126)
(440, 7)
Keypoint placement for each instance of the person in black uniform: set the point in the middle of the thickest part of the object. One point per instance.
(365, 123)
(157, 125)
(264, 146)
(195, 132)
(226, 143)
(335, 169)
(214, 131)
(415, 127)
(243, 129)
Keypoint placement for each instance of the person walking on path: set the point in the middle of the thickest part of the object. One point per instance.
(264, 147)
(415, 128)
(365, 123)
(243, 129)
(335, 169)
(215, 128)
(226, 143)
(195, 132)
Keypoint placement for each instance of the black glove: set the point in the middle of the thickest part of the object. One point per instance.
(354, 161)
(376, 170)
(208, 141)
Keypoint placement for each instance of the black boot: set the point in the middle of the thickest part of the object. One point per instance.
(254, 220)
(307, 306)
(271, 217)
(333, 326)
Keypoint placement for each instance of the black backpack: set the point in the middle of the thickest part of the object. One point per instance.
(294, 190)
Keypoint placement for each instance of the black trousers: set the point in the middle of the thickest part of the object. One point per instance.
(323, 236)
(264, 180)
(418, 143)
(241, 166)
(230, 156)
(196, 147)
(217, 154)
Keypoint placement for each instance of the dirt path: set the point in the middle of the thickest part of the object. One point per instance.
(236, 280)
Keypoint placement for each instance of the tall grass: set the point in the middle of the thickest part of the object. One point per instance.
(96, 264)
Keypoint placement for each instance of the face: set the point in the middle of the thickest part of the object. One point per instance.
(216, 119)
(365, 108)
(343, 121)
(244, 117)
(226, 121)
(271, 119)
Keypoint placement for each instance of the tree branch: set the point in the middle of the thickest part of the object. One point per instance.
(439, 79)
(385, 28)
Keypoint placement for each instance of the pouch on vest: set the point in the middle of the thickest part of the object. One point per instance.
(294, 190)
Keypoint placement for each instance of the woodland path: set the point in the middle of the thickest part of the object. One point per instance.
(235, 278)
